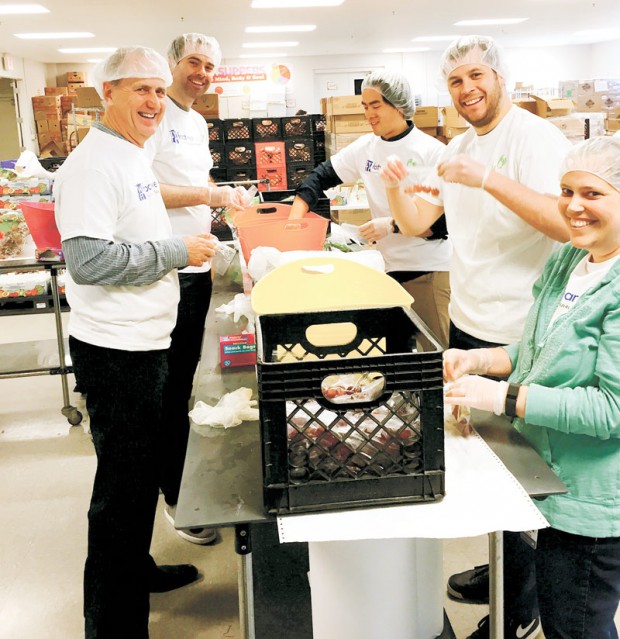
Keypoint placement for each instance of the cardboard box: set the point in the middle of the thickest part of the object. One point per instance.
(569, 89)
(612, 124)
(76, 76)
(53, 125)
(429, 130)
(450, 132)
(585, 87)
(571, 126)
(47, 114)
(335, 142)
(51, 150)
(345, 105)
(348, 124)
(45, 102)
(351, 216)
(87, 97)
(42, 126)
(426, 117)
(591, 103)
(56, 91)
(208, 105)
(528, 105)
(237, 350)
(553, 107)
(324, 106)
(450, 117)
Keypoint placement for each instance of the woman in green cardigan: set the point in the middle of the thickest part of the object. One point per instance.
(563, 391)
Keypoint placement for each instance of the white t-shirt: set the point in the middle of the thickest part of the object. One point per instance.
(364, 158)
(181, 157)
(106, 190)
(497, 256)
(584, 276)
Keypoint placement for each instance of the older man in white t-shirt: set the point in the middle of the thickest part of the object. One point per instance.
(123, 290)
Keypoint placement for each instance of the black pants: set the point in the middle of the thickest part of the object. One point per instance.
(520, 601)
(183, 357)
(123, 397)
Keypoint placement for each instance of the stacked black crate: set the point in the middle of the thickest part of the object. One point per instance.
(270, 153)
(216, 146)
(299, 144)
(239, 150)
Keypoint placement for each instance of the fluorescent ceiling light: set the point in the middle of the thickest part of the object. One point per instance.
(406, 50)
(443, 38)
(293, 4)
(266, 45)
(88, 50)
(487, 22)
(291, 28)
(263, 55)
(54, 36)
(17, 9)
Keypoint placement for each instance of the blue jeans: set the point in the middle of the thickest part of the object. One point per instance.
(183, 357)
(123, 397)
(578, 583)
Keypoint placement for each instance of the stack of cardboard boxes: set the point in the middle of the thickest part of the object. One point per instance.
(48, 116)
(345, 121)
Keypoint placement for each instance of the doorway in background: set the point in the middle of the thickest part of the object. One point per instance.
(10, 122)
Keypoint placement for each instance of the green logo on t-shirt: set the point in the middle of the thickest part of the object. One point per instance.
(501, 162)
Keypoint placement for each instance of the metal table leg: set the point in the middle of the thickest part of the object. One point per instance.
(243, 548)
(496, 585)
(72, 414)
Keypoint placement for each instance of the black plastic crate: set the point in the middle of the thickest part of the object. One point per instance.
(239, 154)
(266, 129)
(217, 154)
(300, 151)
(237, 129)
(319, 123)
(297, 173)
(216, 130)
(218, 174)
(298, 126)
(241, 174)
(322, 454)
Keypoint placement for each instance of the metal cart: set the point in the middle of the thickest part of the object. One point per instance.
(41, 357)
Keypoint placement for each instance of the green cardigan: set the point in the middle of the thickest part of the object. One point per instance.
(572, 415)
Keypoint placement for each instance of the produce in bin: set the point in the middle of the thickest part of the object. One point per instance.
(13, 233)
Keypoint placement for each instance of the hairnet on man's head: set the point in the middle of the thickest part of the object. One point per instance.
(473, 49)
(599, 156)
(131, 62)
(191, 43)
(394, 88)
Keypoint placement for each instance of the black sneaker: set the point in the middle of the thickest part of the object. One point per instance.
(471, 586)
(171, 577)
(522, 631)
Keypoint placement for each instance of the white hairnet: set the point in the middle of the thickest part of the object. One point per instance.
(131, 62)
(394, 88)
(190, 43)
(474, 49)
(599, 156)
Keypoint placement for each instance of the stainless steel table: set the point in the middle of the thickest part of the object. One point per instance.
(222, 479)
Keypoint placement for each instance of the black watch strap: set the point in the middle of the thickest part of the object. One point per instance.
(511, 400)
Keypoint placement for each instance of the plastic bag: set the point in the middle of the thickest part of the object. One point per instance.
(223, 258)
(231, 410)
(239, 306)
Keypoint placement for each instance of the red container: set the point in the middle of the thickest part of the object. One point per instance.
(307, 234)
(41, 223)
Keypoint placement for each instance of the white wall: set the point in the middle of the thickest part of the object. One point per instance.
(604, 60)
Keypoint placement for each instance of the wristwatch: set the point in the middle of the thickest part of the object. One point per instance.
(395, 228)
(511, 400)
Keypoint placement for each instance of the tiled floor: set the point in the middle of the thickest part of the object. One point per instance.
(46, 471)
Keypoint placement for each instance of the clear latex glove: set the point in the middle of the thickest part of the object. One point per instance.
(393, 172)
(220, 196)
(376, 229)
(463, 170)
(232, 409)
(477, 392)
(457, 362)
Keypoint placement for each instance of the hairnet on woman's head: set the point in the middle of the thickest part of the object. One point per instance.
(473, 49)
(190, 43)
(131, 62)
(599, 156)
(394, 88)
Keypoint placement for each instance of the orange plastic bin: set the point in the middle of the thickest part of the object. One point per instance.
(41, 223)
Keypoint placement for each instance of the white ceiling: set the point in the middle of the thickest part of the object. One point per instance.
(355, 27)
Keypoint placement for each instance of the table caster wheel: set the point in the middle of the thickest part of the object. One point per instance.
(73, 415)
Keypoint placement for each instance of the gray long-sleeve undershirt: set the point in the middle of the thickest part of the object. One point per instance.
(105, 263)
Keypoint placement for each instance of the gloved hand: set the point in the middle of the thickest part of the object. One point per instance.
(376, 229)
(477, 392)
(393, 172)
(220, 196)
(458, 362)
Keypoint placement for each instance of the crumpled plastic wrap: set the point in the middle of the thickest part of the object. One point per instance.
(223, 258)
(240, 306)
(231, 410)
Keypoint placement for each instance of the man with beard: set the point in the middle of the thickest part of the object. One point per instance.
(181, 162)
(496, 181)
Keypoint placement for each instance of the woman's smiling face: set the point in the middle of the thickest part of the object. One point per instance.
(590, 207)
